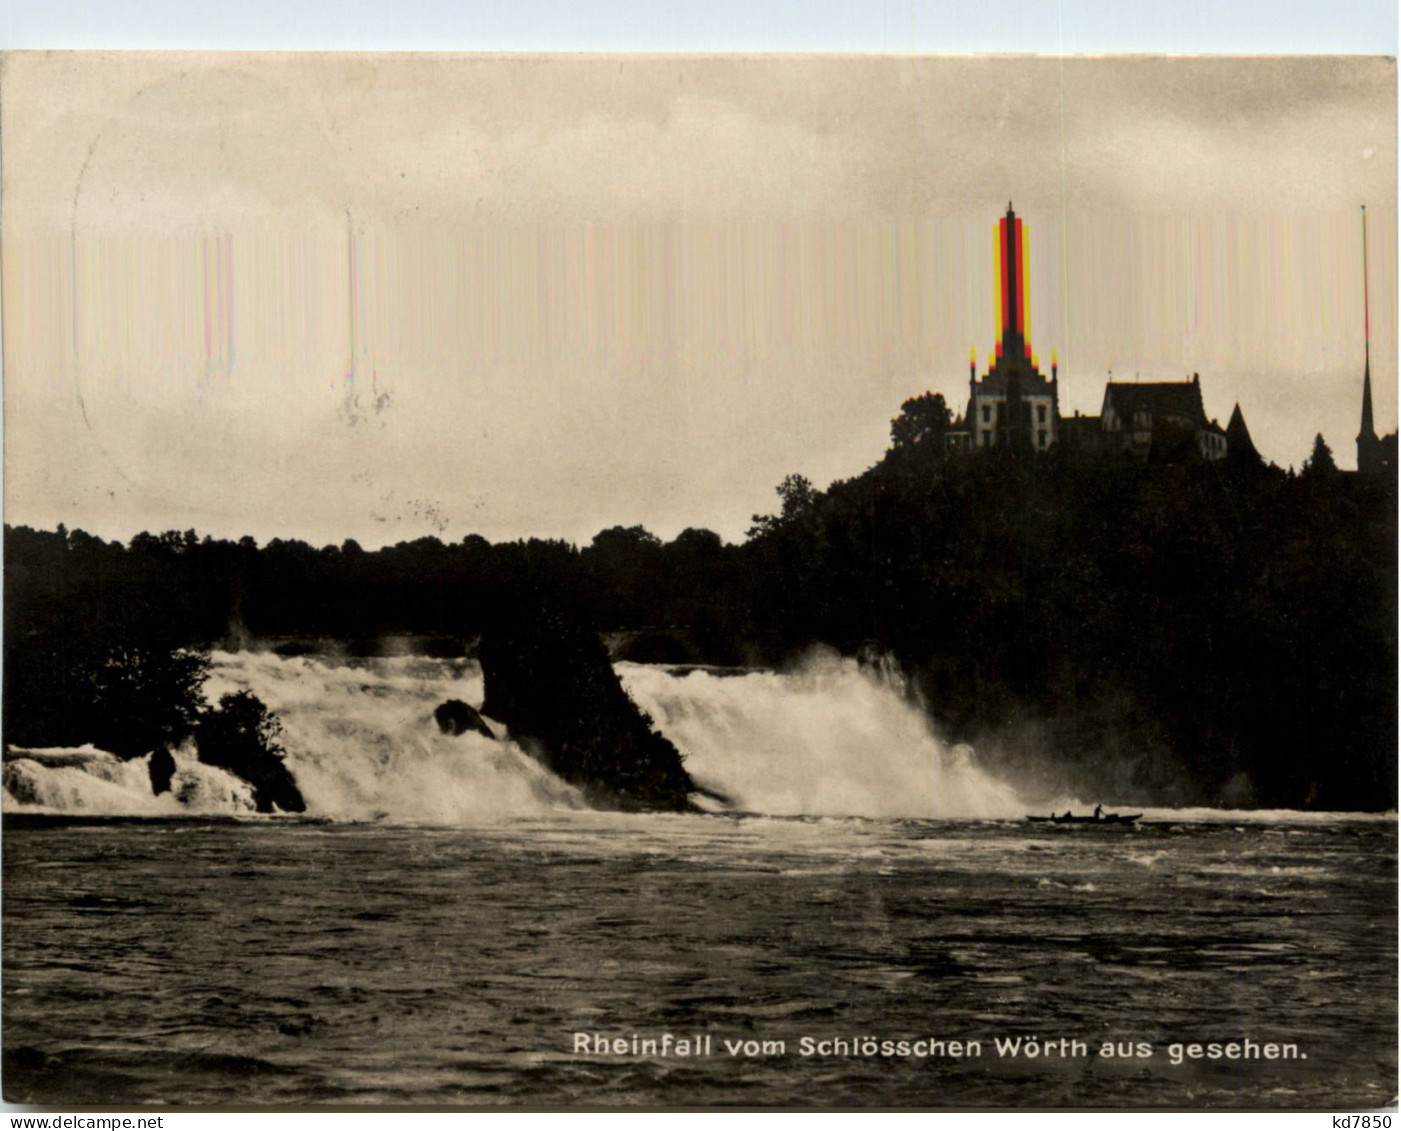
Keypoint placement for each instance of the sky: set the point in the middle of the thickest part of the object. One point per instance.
(383, 296)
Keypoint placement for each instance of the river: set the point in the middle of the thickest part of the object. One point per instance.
(873, 923)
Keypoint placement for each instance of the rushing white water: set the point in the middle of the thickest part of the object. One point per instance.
(830, 740)
(362, 743)
(87, 780)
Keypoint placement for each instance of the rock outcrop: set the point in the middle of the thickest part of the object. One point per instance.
(548, 678)
(241, 736)
(456, 717)
(161, 767)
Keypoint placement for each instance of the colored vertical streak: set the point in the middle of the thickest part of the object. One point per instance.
(1009, 273)
(1023, 321)
(1017, 272)
(999, 238)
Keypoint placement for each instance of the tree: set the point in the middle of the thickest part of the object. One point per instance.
(625, 540)
(142, 697)
(625, 570)
(923, 422)
(243, 737)
(798, 499)
(697, 541)
(1321, 461)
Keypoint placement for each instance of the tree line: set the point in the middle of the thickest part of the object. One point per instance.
(1173, 631)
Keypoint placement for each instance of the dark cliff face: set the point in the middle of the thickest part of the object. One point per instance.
(242, 738)
(548, 678)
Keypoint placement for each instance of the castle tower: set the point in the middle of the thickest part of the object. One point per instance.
(1240, 448)
(1012, 325)
(1369, 448)
(1013, 404)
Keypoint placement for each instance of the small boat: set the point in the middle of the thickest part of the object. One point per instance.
(1102, 819)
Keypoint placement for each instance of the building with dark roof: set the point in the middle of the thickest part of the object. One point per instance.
(1162, 420)
(1015, 405)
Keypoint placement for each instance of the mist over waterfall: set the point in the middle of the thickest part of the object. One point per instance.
(362, 743)
(83, 779)
(831, 739)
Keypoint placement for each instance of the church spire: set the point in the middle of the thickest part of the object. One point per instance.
(1369, 431)
(1368, 446)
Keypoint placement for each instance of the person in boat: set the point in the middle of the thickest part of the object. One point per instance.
(1067, 815)
(1099, 811)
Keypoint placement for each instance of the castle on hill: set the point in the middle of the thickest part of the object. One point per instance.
(1015, 405)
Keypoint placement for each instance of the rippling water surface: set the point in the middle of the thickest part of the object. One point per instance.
(287, 962)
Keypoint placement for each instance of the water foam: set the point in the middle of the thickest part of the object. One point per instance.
(362, 743)
(830, 739)
(87, 780)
